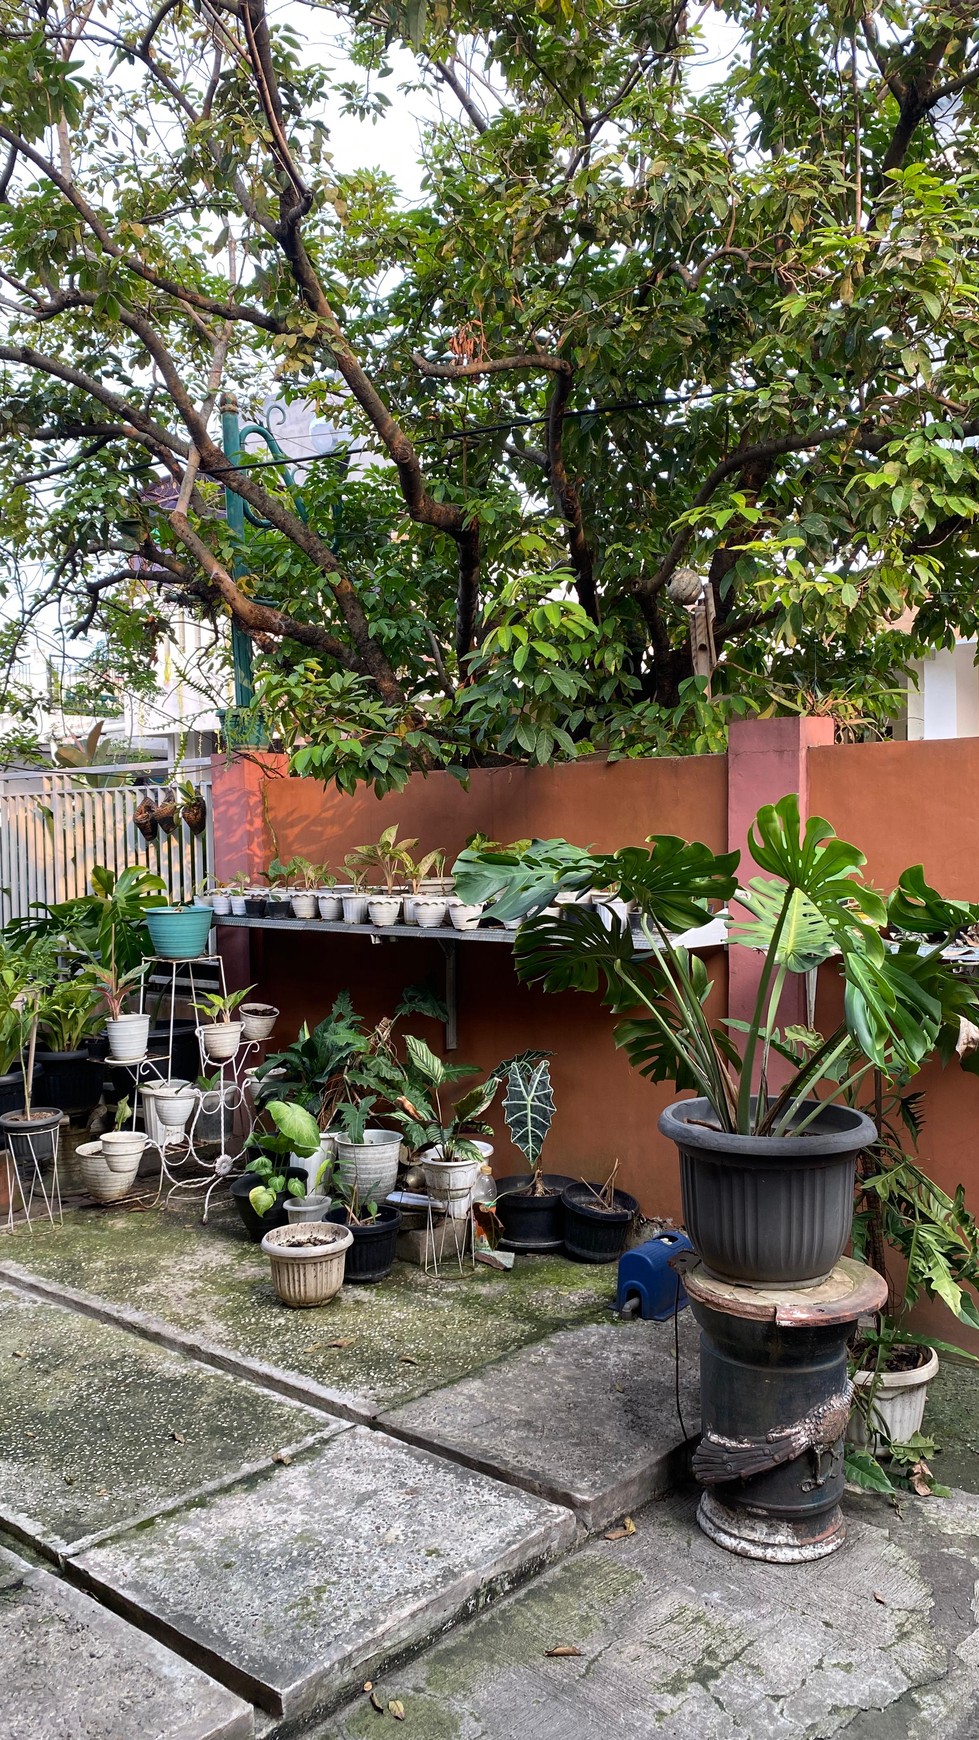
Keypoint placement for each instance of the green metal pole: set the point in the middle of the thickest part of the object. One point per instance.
(241, 645)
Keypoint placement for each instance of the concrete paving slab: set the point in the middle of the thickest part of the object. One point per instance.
(72, 1671)
(97, 1427)
(208, 1290)
(678, 1638)
(294, 1589)
(587, 1418)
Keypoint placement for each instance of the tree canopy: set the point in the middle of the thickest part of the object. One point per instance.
(670, 370)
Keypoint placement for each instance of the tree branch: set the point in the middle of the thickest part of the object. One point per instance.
(458, 89)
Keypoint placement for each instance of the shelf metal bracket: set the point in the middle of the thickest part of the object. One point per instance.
(450, 949)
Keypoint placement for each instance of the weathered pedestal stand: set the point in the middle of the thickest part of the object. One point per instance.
(775, 1402)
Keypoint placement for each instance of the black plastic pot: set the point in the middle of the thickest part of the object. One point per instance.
(12, 1091)
(255, 906)
(531, 1223)
(32, 1141)
(257, 1225)
(69, 1079)
(768, 1210)
(592, 1233)
(371, 1256)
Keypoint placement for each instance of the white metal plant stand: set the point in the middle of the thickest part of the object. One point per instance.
(50, 1193)
(456, 1201)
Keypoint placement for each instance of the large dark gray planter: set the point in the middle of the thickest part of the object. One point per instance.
(768, 1210)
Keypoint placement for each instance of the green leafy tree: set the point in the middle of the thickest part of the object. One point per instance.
(669, 371)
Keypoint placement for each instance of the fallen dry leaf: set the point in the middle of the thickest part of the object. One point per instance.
(879, 1597)
(341, 1341)
(178, 1437)
(921, 1478)
(368, 1685)
(563, 1649)
(280, 1456)
(397, 1709)
(408, 1359)
(625, 1528)
(376, 1704)
(19, 1354)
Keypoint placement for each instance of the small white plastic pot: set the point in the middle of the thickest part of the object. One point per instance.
(383, 909)
(167, 1106)
(354, 908)
(221, 1039)
(220, 905)
(237, 903)
(408, 909)
(304, 905)
(329, 906)
(430, 910)
(303, 1208)
(307, 1261)
(898, 1406)
(611, 906)
(465, 916)
(128, 1037)
(258, 1019)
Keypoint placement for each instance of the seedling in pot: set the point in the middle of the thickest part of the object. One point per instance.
(123, 1113)
(389, 858)
(219, 1009)
(114, 987)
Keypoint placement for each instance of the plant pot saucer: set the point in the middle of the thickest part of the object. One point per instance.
(127, 1062)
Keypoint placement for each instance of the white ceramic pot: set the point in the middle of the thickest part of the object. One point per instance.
(463, 916)
(330, 907)
(122, 1150)
(304, 905)
(354, 908)
(307, 1261)
(899, 1404)
(128, 1037)
(237, 902)
(325, 1154)
(221, 1039)
(449, 1182)
(258, 1019)
(300, 1208)
(167, 1106)
(430, 910)
(609, 906)
(221, 905)
(106, 1183)
(408, 909)
(383, 909)
(372, 1164)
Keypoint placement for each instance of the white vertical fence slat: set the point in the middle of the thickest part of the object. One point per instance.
(55, 826)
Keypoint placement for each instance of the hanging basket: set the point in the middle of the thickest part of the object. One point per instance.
(145, 818)
(194, 812)
(167, 813)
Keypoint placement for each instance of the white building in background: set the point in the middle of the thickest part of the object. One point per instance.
(946, 701)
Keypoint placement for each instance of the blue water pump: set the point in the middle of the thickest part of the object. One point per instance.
(648, 1287)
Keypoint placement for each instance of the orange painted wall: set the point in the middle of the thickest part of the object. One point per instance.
(605, 1111)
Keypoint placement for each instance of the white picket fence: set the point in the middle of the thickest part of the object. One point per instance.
(57, 824)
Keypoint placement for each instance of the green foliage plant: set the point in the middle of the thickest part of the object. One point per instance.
(107, 924)
(427, 1120)
(902, 1001)
(528, 1107)
(71, 1012)
(216, 1008)
(293, 1132)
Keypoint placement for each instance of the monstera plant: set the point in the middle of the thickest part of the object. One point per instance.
(767, 1171)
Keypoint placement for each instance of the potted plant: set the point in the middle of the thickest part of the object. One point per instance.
(329, 906)
(128, 1034)
(109, 1166)
(354, 903)
(237, 887)
(367, 1155)
(387, 860)
(179, 933)
(926, 1244)
(30, 1132)
(12, 981)
(373, 1229)
(69, 1015)
(530, 1208)
(767, 1176)
(464, 914)
(441, 1137)
(307, 1261)
(261, 1192)
(313, 1206)
(220, 1036)
(597, 1218)
(168, 1107)
(304, 878)
(422, 876)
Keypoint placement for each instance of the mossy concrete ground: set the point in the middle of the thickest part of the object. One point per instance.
(952, 1420)
(97, 1426)
(672, 1637)
(378, 1345)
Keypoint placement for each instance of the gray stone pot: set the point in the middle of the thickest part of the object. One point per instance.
(768, 1210)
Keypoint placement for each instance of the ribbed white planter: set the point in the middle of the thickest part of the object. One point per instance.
(237, 905)
(430, 910)
(372, 1164)
(384, 909)
(221, 1039)
(220, 905)
(329, 907)
(609, 907)
(128, 1037)
(167, 1106)
(304, 905)
(464, 916)
(305, 1270)
(354, 909)
(258, 1019)
(899, 1401)
(449, 1182)
(325, 1153)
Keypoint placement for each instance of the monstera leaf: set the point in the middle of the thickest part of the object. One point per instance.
(528, 1107)
(804, 939)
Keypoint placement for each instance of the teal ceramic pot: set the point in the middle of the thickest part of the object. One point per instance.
(179, 933)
